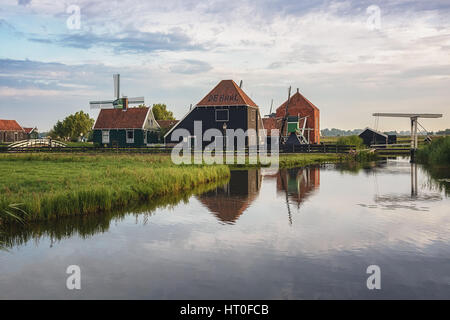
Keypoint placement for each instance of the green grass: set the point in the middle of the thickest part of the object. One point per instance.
(79, 144)
(435, 153)
(305, 159)
(351, 141)
(55, 185)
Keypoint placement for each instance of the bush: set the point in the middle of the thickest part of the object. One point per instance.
(437, 152)
(351, 141)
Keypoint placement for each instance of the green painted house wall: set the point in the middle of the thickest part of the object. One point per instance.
(117, 138)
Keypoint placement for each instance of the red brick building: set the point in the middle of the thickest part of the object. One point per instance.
(11, 131)
(302, 107)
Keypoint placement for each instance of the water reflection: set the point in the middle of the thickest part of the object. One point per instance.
(229, 201)
(233, 240)
(407, 200)
(295, 185)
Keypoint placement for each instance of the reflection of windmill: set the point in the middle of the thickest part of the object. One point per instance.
(298, 184)
(287, 198)
(118, 102)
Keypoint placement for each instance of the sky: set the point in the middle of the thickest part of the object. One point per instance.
(349, 58)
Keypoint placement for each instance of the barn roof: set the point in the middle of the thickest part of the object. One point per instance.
(375, 131)
(29, 130)
(226, 93)
(297, 102)
(9, 125)
(132, 118)
(226, 208)
(166, 123)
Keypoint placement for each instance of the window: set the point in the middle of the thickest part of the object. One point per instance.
(16, 136)
(130, 136)
(222, 115)
(105, 136)
(145, 137)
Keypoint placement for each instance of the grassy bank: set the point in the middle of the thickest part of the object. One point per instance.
(435, 153)
(55, 185)
(305, 159)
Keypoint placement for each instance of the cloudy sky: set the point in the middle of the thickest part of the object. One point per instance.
(350, 58)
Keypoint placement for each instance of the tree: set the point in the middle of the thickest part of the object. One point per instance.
(161, 113)
(73, 126)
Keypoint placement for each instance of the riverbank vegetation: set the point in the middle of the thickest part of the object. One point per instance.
(46, 186)
(435, 153)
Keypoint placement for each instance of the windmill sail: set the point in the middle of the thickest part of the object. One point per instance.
(137, 100)
(118, 102)
(116, 78)
(101, 104)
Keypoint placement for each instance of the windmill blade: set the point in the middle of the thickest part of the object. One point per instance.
(116, 78)
(136, 100)
(101, 104)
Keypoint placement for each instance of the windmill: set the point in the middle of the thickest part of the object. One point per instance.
(118, 102)
(297, 136)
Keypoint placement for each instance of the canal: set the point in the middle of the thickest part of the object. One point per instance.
(305, 233)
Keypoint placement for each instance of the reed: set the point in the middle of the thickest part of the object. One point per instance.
(435, 153)
(53, 185)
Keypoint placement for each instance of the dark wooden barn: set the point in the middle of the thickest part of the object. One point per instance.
(392, 139)
(225, 107)
(128, 127)
(371, 136)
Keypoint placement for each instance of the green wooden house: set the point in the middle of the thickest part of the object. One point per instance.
(127, 127)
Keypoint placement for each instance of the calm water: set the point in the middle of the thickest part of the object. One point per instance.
(298, 233)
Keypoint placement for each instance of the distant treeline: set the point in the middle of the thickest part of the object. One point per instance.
(339, 133)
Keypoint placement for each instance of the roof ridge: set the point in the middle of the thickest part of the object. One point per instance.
(222, 91)
(243, 95)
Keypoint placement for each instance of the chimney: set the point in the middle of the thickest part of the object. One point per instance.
(125, 104)
(297, 90)
(240, 84)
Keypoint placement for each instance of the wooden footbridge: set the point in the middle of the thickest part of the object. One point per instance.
(36, 143)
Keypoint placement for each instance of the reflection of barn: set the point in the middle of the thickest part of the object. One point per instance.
(299, 183)
(231, 200)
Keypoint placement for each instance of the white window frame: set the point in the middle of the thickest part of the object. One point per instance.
(103, 136)
(129, 140)
(145, 136)
(228, 115)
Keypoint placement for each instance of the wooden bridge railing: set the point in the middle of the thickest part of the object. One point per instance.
(32, 143)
